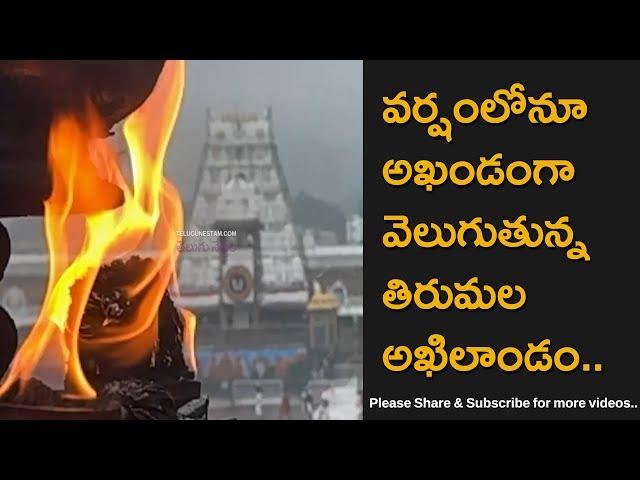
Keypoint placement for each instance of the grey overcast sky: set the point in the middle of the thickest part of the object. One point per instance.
(317, 117)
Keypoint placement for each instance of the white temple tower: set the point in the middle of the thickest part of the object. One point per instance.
(247, 278)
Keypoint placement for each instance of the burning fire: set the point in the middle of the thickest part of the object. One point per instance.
(147, 220)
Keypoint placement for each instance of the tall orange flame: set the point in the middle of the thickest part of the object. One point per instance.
(147, 220)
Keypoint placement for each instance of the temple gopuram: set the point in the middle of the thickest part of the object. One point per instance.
(253, 274)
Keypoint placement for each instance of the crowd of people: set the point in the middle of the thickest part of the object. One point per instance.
(310, 409)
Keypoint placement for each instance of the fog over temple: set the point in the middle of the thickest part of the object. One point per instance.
(317, 118)
(241, 188)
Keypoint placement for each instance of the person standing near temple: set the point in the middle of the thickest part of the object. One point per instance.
(285, 407)
(307, 404)
(258, 403)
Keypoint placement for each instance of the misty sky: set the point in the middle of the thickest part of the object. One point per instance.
(317, 116)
